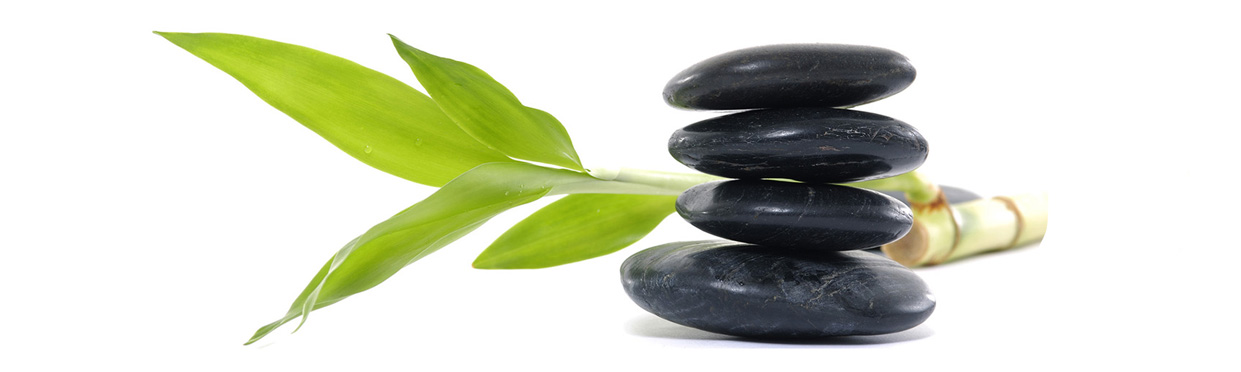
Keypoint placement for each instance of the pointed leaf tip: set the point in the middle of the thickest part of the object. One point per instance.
(451, 212)
(371, 116)
(488, 111)
(575, 228)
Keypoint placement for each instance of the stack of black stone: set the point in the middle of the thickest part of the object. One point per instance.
(792, 266)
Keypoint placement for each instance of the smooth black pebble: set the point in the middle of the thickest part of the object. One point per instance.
(791, 75)
(805, 144)
(763, 292)
(795, 215)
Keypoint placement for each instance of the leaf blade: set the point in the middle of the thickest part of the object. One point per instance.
(456, 209)
(490, 112)
(371, 116)
(576, 227)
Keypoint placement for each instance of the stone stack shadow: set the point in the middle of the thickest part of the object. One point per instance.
(792, 265)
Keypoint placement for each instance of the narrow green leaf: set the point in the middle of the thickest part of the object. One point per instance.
(489, 111)
(575, 228)
(454, 210)
(371, 116)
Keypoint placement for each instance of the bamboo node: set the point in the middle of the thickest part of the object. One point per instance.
(1021, 222)
(942, 200)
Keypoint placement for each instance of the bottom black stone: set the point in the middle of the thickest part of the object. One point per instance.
(762, 292)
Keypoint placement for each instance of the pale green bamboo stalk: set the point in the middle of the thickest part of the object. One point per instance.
(942, 232)
(635, 181)
(670, 180)
(983, 225)
(918, 189)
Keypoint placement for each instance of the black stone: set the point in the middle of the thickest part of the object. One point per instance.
(953, 194)
(793, 75)
(805, 144)
(763, 292)
(795, 215)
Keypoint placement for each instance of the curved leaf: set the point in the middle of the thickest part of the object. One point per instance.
(489, 111)
(575, 228)
(371, 116)
(454, 210)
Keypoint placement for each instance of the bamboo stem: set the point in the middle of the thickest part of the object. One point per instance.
(635, 181)
(670, 180)
(984, 225)
(917, 188)
(934, 233)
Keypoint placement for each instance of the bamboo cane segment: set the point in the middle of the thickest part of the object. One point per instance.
(971, 228)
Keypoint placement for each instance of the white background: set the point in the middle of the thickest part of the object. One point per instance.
(154, 212)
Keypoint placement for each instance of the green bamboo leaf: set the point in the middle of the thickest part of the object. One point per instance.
(575, 228)
(371, 116)
(454, 210)
(489, 111)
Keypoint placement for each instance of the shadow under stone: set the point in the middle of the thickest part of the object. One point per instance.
(656, 327)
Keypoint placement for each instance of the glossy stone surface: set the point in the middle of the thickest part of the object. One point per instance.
(791, 75)
(953, 194)
(805, 144)
(762, 292)
(795, 215)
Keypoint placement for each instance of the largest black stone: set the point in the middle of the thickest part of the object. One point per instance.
(763, 292)
(805, 144)
(795, 215)
(791, 75)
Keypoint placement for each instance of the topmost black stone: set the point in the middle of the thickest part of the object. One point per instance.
(791, 75)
